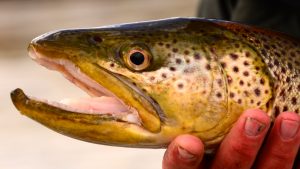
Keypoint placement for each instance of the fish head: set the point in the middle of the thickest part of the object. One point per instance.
(160, 79)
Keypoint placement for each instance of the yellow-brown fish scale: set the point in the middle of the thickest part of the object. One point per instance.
(282, 55)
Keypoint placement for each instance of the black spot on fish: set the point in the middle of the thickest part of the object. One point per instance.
(175, 50)
(208, 67)
(233, 56)
(256, 41)
(257, 92)
(270, 65)
(178, 61)
(258, 103)
(219, 81)
(276, 62)
(246, 63)
(273, 46)
(294, 100)
(262, 81)
(267, 47)
(283, 70)
(197, 56)
(152, 78)
(241, 82)
(246, 73)
(97, 39)
(277, 54)
(237, 45)
(264, 52)
(223, 64)
(247, 54)
(229, 79)
(293, 54)
(180, 85)
(290, 66)
(235, 69)
(173, 69)
(285, 108)
(266, 91)
(186, 52)
(231, 94)
(282, 94)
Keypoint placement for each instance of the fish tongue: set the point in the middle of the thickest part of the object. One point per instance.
(96, 105)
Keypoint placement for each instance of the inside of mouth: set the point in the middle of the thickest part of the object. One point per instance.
(95, 105)
(102, 101)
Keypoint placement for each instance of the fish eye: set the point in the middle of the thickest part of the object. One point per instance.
(137, 58)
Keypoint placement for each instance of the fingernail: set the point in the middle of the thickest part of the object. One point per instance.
(184, 154)
(253, 127)
(289, 128)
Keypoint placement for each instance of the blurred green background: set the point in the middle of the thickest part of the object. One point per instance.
(25, 144)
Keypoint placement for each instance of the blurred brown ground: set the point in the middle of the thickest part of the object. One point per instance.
(25, 144)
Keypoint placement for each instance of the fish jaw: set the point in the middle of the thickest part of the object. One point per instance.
(138, 126)
(97, 128)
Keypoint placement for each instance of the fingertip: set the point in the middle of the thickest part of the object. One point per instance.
(242, 143)
(191, 144)
(283, 142)
(258, 115)
(287, 126)
(185, 151)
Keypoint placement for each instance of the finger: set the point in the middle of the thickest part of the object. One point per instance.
(240, 146)
(185, 152)
(282, 144)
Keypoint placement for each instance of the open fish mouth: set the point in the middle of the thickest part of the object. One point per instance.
(102, 103)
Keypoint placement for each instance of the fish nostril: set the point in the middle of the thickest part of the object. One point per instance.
(96, 39)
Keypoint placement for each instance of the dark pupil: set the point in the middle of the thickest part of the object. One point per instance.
(137, 58)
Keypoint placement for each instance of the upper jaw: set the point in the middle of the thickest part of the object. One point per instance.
(95, 89)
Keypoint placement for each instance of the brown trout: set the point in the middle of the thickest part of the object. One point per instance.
(151, 81)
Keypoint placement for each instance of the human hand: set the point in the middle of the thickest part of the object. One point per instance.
(239, 149)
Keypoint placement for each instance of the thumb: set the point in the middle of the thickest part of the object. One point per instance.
(185, 152)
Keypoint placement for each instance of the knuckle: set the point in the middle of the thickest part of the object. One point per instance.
(244, 149)
(280, 155)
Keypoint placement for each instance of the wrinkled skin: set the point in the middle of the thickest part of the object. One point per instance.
(239, 149)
